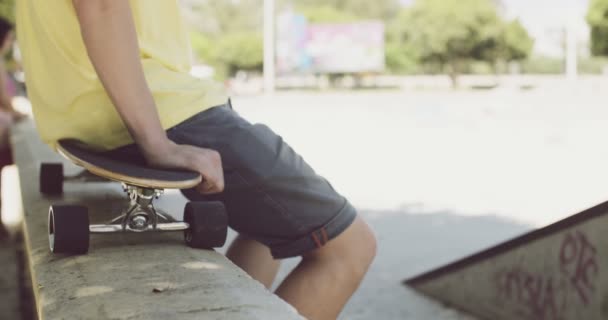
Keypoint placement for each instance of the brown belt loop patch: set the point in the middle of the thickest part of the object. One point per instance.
(325, 239)
(316, 239)
(320, 237)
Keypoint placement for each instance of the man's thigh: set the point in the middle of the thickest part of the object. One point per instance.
(271, 194)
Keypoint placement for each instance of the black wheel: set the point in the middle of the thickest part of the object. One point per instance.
(208, 224)
(69, 229)
(51, 178)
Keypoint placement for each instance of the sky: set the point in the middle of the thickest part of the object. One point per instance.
(545, 18)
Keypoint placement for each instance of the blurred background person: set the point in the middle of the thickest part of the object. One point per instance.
(8, 114)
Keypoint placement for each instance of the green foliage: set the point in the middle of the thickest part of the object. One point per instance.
(592, 65)
(446, 30)
(402, 55)
(229, 53)
(216, 18)
(241, 51)
(202, 46)
(597, 17)
(363, 9)
(504, 41)
(7, 9)
(517, 41)
(597, 14)
(326, 13)
(401, 58)
(599, 41)
(543, 65)
(430, 36)
(452, 33)
(226, 34)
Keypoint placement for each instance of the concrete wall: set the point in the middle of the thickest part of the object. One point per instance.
(119, 276)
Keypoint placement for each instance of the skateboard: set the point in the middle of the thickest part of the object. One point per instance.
(205, 223)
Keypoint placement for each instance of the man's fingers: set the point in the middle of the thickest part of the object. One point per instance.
(219, 184)
(210, 187)
(209, 163)
(205, 187)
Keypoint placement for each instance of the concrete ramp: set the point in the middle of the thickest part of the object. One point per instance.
(559, 272)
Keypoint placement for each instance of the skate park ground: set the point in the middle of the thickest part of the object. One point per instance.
(442, 174)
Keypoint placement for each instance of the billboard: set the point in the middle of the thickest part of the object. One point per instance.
(329, 48)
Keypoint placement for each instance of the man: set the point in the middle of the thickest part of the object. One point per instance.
(114, 74)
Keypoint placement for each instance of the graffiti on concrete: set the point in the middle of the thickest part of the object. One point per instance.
(578, 261)
(535, 295)
(547, 294)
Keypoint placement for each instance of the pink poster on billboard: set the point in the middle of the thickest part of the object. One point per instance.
(329, 48)
(292, 35)
(347, 47)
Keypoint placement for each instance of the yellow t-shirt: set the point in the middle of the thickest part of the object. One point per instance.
(68, 99)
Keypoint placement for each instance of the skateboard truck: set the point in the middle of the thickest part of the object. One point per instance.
(141, 216)
(205, 222)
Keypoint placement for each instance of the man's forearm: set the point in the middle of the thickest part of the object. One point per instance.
(109, 35)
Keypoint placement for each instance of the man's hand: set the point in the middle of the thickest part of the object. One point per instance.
(205, 161)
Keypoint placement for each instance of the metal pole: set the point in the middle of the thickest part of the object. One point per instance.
(571, 50)
(269, 25)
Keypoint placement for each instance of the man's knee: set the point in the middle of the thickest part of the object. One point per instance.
(352, 251)
(362, 249)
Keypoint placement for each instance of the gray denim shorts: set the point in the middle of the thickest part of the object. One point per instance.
(271, 194)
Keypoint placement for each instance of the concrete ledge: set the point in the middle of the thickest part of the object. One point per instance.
(9, 281)
(131, 276)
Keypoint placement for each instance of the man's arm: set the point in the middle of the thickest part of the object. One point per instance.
(109, 34)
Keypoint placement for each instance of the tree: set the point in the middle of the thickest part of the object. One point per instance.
(509, 42)
(241, 51)
(597, 17)
(448, 34)
(517, 42)
(326, 13)
(226, 34)
(363, 9)
(402, 56)
(216, 18)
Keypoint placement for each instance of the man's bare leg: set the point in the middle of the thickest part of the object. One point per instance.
(322, 283)
(255, 259)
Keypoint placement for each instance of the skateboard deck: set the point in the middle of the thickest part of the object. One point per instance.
(129, 172)
(204, 225)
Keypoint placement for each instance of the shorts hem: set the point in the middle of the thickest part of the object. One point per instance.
(317, 238)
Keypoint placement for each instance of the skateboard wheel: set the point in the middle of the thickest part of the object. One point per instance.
(208, 224)
(68, 229)
(51, 178)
